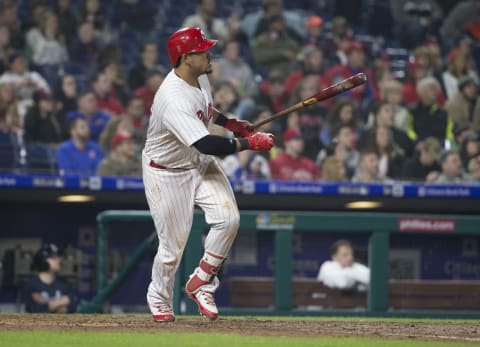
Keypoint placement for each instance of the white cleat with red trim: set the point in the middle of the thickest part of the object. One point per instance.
(162, 313)
(206, 303)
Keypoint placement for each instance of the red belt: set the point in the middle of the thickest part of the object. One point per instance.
(161, 167)
(156, 166)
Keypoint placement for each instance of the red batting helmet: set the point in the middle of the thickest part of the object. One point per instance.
(187, 40)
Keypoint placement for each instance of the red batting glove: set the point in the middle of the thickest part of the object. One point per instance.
(260, 141)
(240, 128)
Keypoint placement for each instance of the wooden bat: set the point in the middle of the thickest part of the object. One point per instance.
(329, 92)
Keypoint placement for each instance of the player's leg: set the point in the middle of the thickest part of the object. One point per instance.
(215, 197)
(170, 199)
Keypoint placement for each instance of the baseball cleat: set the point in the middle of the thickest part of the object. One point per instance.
(206, 303)
(162, 313)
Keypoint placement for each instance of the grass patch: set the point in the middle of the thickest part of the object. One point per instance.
(48, 339)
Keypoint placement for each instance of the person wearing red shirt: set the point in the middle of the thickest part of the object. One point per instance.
(146, 92)
(355, 64)
(291, 164)
(107, 100)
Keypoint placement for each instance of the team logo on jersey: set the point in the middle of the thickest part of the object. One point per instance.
(202, 117)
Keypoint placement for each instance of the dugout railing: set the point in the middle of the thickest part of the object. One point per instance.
(379, 226)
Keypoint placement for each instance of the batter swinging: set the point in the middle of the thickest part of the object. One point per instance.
(180, 171)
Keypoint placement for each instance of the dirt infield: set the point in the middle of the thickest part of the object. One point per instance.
(465, 332)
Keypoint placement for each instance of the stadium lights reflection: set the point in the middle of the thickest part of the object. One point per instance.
(364, 204)
(76, 198)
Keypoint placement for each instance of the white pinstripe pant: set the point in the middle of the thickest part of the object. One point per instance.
(171, 196)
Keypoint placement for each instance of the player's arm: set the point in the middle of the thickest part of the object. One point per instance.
(218, 145)
(241, 128)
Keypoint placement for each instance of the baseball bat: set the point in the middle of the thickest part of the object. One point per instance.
(329, 92)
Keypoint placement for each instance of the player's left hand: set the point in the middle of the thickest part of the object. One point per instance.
(240, 128)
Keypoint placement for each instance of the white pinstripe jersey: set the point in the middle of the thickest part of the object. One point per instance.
(181, 115)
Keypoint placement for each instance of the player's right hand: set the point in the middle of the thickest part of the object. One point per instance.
(260, 141)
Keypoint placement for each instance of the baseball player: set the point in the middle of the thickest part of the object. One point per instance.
(180, 171)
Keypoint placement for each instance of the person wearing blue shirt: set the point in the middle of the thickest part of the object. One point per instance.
(87, 107)
(79, 155)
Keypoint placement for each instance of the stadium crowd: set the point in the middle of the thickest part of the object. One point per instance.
(78, 78)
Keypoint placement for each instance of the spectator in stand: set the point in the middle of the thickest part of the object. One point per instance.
(79, 155)
(9, 18)
(381, 72)
(391, 91)
(67, 20)
(7, 100)
(66, 94)
(225, 99)
(114, 71)
(43, 122)
(122, 160)
(342, 272)
(368, 170)
(234, 69)
(46, 292)
(25, 82)
(474, 169)
(343, 148)
(291, 164)
(115, 126)
(343, 111)
(464, 106)
(460, 65)
(87, 108)
(5, 47)
(383, 116)
(92, 13)
(257, 23)
(137, 74)
(84, 49)
(333, 170)
(314, 35)
(10, 120)
(415, 20)
(312, 118)
(363, 94)
(205, 19)
(134, 14)
(275, 49)
(107, 100)
(47, 42)
(136, 120)
(312, 63)
(464, 17)
(337, 42)
(452, 169)
(469, 148)
(246, 165)
(434, 49)
(36, 11)
(416, 71)
(153, 80)
(272, 92)
(427, 118)
(423, 165)
(390, 155)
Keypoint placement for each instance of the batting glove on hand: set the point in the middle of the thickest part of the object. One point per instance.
(260, 141)
(240, 128)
